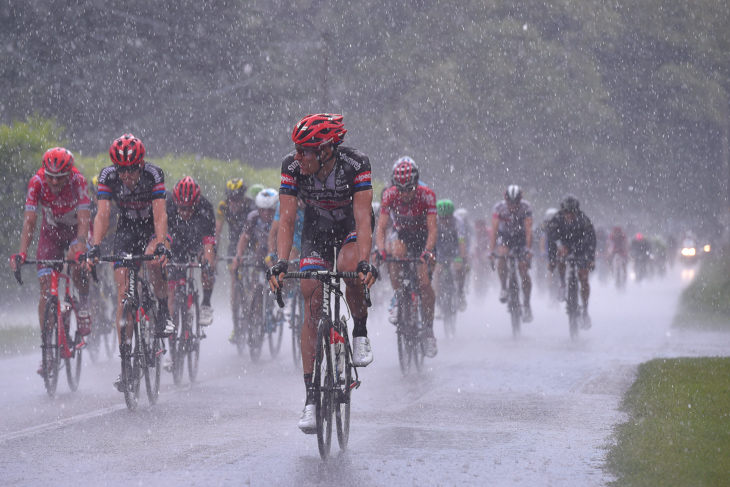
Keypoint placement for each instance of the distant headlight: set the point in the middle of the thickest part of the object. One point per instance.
(689, 252)
(706, 248)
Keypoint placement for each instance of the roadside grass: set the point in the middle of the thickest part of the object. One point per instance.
(705, 302)
(678, 432)
(18, 340)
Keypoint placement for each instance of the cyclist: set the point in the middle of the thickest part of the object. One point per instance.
(540, 233)
(191, 220)
(233, 211)
(255, 235)
(451, 247)
(618, 248)
(642, 254)
(410, 208)
(296, 243)
(60, 191)
(138, 189)
(334, 183)
(512, 232)
(571, 232)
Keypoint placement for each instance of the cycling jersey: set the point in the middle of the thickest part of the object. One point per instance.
(577, 235)
(409, 216)
(329, 221)
(235, 220)
(58, 209)
(189, 237)
(257, 232)
(135, 226)
(451, 233)
(618, 243)
(512, 223)
(298, 225)
(135, 205)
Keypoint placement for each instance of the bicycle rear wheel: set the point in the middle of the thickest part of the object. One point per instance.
(571, 304)
(239, 320)
(344, 388)
(513, 305)
(193, 339)
(417, 334)
(256, 325)
(177, 340)
(73, 363)
(323, 382)
(51, 352)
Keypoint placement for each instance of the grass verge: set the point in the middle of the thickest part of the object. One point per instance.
(16, 340)
(678, 431)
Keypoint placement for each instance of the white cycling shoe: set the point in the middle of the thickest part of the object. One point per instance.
(362, 354)
(503, 295)
(308, 421)
(206, 316)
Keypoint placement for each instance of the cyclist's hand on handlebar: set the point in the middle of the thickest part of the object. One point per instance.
(427, 256)
(90, 258)
(16, 260)
(378, 256)
(368, 273)
(275, 273)
(528, 255)
(162, 253)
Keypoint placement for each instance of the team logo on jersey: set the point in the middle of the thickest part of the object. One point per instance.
(362, 178)
(288, 180)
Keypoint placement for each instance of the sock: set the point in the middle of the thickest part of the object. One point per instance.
(207, 293)
(360, 329)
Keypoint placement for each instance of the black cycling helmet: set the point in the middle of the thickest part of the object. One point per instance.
(569, 203)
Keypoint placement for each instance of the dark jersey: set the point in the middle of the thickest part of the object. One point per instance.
(235, 220)
(135, 205)
(328, 202)
(189, 237)
(578, 235)
(257, 232)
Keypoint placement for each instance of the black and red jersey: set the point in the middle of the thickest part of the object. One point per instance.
(134, 204)
(411, 215)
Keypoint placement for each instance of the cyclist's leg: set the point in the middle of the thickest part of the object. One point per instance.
(355, 296)
(164, 325)
(81, 282)
(526, 281)
(585, 286)
(502, 270)
(120, 278)
(207, 279)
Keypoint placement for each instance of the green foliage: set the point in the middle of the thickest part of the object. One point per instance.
(678, 431)
(705, 303)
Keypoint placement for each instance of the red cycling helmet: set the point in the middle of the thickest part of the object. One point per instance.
(127, 150)
(319, 130)
(58, 161)
(405, 174)
(186, 192)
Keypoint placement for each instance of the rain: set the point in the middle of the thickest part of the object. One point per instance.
(624, 105)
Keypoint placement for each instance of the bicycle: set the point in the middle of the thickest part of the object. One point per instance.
(103, 300)
(514, 306)
(409, 329)
(239, 306)
(185, 342)
(146, 350)
(572, 306)
(295, 314)
(58, 318)
(447, 299)
(333, 380)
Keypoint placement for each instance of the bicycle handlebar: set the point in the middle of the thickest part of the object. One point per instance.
(18, 265)
(322, 276)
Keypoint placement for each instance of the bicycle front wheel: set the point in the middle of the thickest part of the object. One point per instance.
(131, 370)
(256, 325)
(73, 363)
(51, 352)
(178, 343)
(343, 389)
(152, 357)
(323, 382)
(296, 321)
(193, 340)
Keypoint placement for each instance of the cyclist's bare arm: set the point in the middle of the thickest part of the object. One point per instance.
(362, 207)
(241, 245)
(83, 230)
(29, 221)
(271, 241)
(528, 232)
(159, 215)
(493, 237)
(218, 228)
(432, 227)
(383, 222)
(285, 236)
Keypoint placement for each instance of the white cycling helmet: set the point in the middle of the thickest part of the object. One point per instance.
(462, 213)
(513, 194)
(550, 213)
(266, 199)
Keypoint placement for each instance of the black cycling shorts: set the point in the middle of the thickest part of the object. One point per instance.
(319, 240)
(415, 241)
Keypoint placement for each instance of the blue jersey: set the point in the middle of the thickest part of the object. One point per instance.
(298, 226)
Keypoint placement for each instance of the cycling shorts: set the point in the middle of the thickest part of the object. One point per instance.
(133, 239)
(53, 244)
(414, 240)
(515, 241)
(320, 239)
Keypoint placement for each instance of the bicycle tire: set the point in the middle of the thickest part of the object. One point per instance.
(417, 345)
(193, 339)
(73, 363)
(256, 325)
(130, 365)
(177, 339)
(344, 390)
(295, 323)
(151, 356)
(447, 291)
(50, 350)
(110, 342)
(323, 382)
(239, 320)
(571, 304)
(404, 337)
(277, 335)
(515, 309)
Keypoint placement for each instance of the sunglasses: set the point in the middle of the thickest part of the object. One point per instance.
(132, 168)
(304, 152)
(56, 177)
(406, 189)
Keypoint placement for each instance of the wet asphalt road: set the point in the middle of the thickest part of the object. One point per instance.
(488, 410)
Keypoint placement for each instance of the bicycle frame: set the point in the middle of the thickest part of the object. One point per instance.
(408, 328)
(513, 288)
(186, 341)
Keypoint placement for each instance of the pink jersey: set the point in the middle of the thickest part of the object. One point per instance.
(412, 215)
(60, 209)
